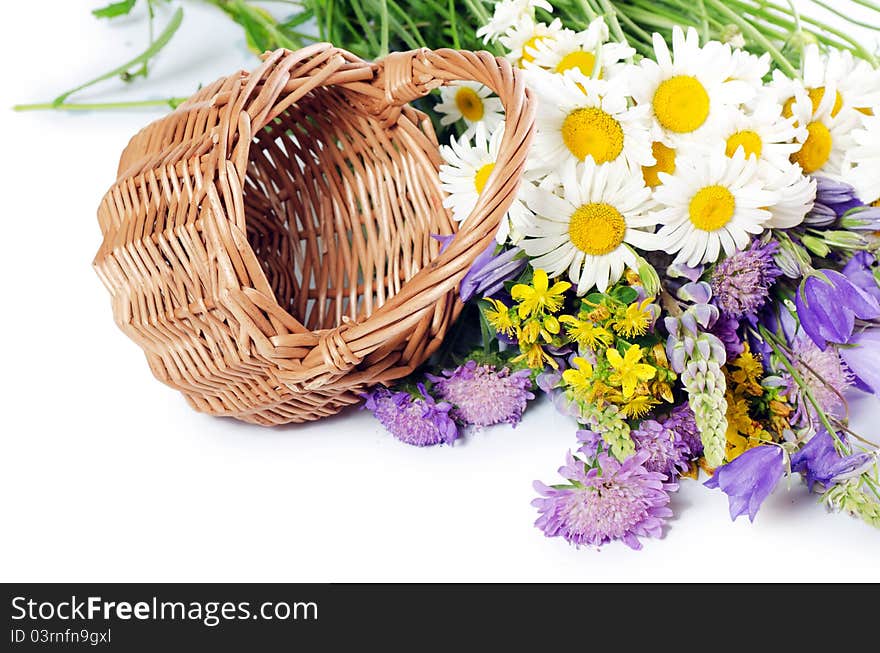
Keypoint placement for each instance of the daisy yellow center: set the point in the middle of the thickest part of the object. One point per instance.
(591, 131)
(530, 44)
(711, 208)
(482, 176)
(876, 202)
(749, 140)
(665, 158)
(596, 228)
(582, 60)
(469, 103)
(681, 104)
(788, 108)
(816, 149)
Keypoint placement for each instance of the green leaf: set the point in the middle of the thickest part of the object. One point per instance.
(115, 9)
(625, 294)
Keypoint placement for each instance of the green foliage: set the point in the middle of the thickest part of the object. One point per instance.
(372, 28)
(115, 9)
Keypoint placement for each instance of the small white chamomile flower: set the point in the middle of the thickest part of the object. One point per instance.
(521, 40)
(857, 82)
(582, 51)
(507, 14)
(590, 226)
(761, 132)
(686, 90)
(464, 175)
(584, 118)
(796, 194)
(828, 132)
(748, 67)
(471, 102)
(862, 164)
(711, 203)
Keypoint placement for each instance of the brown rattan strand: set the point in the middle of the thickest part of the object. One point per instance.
(269, 243)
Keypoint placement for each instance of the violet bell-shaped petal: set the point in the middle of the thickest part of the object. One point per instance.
(827, 304)
(819, 461)
(749, 479)
(488, 272)
(862, 357)
(860, 270)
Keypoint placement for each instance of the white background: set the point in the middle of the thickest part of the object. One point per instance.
(107, 475)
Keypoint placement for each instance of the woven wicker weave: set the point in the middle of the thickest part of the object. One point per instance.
(268, 244)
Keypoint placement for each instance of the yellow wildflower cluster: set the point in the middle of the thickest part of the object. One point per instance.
(752, 407)
(532, 322)
(621, 363)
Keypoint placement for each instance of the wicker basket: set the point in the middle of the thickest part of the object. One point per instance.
(268, 244)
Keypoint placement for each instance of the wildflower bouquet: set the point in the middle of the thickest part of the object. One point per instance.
(688, 269)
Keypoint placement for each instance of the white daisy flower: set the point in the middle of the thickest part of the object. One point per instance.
(522, 39)
(748, 67)
(828, 132)
(685, 91)
(465, 174)
(796, 194)
(581, 118)
(509, 13)
(591, 227)
(471, 102)
(862, 164)
(581, 51)
(761, 132)
(856, 81)
(710, 204)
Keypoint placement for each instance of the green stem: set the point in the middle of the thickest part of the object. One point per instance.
(839, 13)
(172, 102)
(611, 17)
(142, 58)
(759, 38)
(453, 25)
(383, 41)
(589, 14)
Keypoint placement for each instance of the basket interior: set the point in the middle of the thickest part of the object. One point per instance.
(338, 213)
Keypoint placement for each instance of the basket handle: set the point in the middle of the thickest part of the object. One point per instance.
(404, 77)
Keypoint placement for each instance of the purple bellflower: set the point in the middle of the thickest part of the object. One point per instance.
(820, 462)
(749, 479)
(827, 304)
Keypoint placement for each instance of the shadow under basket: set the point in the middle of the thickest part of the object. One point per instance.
(269, 243)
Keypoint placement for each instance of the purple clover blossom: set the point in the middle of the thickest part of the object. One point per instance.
(861, 356)
(828, 303)
(820, 462)
(749, 479)
(612, 501)
(419, 421)
(833, 199)
(682, 422)
(741, 282)
(667, 453)
(859, 270)
(481, 395)
(824, 375)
